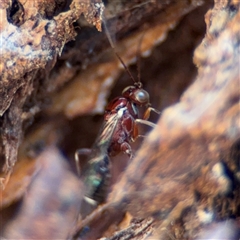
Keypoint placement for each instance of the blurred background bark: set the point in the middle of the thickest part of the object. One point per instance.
(57, 74)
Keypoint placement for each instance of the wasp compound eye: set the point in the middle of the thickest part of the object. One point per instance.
(141, 96)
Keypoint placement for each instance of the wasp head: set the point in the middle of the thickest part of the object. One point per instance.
(137, 95)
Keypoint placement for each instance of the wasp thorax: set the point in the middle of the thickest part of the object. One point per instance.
(137, 95)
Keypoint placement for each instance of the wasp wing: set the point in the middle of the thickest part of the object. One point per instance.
(105, 135)
(97, 172)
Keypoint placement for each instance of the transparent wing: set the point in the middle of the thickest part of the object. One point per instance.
(106, 133)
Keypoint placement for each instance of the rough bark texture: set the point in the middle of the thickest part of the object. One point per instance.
(184, 180)
(33, 34)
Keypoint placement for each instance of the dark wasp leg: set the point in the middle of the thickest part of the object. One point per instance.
(81, 151)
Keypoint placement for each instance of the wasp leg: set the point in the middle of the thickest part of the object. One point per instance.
(135, 129)
(145, 122)
(81, 151)
(126, 148)
(135, 134)
(146, 115)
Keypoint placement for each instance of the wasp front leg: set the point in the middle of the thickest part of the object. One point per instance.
(146, 114)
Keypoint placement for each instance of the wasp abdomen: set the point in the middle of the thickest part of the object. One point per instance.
(97, 179)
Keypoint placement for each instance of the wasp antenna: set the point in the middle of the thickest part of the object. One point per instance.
(138, 57)
(107, 32)
(138, 5)
(113, 47)
(125, 67)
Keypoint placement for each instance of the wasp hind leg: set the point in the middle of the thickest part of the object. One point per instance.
(79, 152)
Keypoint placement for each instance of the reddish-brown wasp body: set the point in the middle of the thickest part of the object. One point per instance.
(126, 130)
(118, 131)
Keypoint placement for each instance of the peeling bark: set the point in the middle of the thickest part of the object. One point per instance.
(32, 38)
